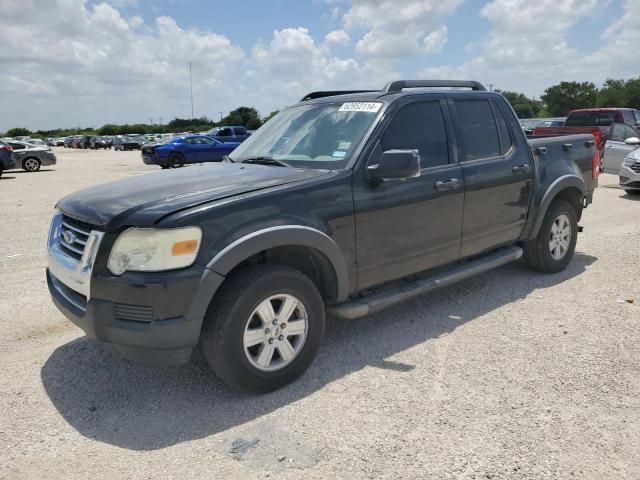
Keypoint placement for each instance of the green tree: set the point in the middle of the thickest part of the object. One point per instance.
(246, 116)
(560, 99)
(612, 93)
(270, 116)
(524, 106)
(18, 132)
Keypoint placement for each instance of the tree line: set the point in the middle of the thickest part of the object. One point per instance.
(245, 116)
(556, 101)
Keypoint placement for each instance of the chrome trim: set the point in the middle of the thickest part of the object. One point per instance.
(66, 269)
(68, 298)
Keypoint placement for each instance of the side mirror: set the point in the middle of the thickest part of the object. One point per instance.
(396, 164)
(632, 141)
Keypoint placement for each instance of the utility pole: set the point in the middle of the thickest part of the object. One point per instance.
(491, 87)
(191, 88)
(160, 121)
(221, 113)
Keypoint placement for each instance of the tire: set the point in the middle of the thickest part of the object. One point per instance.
(234, 312)
(543, 256)
(632, 192)
(31, 164)
(1, 171)
(176, 160)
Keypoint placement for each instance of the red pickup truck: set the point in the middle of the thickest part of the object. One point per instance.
(596, 121)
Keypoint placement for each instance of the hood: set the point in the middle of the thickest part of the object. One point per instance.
(144, 199)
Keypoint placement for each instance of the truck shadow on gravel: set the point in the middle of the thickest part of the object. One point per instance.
(135, 407)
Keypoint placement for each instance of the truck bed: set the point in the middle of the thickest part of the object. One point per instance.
(553, 154)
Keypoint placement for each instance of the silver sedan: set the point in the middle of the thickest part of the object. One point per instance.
(31, 157)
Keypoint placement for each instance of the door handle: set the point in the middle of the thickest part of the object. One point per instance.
(444, 185)
(520, 169)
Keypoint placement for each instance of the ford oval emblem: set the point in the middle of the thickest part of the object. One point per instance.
(68, 236)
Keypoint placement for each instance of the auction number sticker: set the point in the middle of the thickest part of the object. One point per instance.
(371, 107)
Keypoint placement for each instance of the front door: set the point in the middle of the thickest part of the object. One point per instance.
(498, 176)
(404, 226)
(615, 150)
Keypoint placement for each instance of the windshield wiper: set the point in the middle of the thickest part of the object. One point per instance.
(265, 160)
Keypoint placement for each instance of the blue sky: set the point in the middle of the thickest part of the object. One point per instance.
(91, 62)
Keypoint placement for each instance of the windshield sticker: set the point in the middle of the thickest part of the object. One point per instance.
(344, 146)
(339, 154)
(370, 107)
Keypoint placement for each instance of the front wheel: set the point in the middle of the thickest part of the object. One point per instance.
(263, 328)
(553, 248)
(31, 165)
(632, 192)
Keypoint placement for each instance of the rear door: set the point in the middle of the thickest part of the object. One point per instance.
(615, 150)
(498, 175)
(404, 226)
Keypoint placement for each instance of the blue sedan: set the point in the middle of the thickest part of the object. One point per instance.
(178, 151)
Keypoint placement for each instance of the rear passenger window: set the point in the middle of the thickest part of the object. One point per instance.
(478, 129)
(629, 117)
(504, 133)
(419, 126)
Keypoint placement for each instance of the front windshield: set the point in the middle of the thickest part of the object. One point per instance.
(317, 136)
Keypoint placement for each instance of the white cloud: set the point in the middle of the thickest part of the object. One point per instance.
(337, 37)
(528, 47)
(293, 64)
(394, 30)
(90, 64)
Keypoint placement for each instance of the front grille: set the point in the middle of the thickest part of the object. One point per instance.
(635, 167)
(74, 236)
(135, 313)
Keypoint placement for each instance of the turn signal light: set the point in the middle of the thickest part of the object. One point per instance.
(184, 247)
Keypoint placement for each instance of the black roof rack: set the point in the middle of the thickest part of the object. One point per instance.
(399, 85)
(331, 93)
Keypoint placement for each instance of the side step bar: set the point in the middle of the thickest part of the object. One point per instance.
(385, 298)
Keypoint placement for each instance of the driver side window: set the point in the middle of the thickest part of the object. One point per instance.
(419, 126)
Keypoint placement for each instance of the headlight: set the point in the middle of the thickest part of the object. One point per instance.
(154, 250)
(629, 161)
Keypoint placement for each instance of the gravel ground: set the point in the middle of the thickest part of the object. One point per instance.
(511, 374)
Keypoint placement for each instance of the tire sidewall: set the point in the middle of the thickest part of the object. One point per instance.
(559, 207)
(231, 331)
(24, 164)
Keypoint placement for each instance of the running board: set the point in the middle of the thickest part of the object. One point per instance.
(393, 295)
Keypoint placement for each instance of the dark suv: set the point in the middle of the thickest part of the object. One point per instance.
(346, 203)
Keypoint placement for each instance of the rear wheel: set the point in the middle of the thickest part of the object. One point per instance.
(263, 328)
(176, 160)
(553, 248)
(31, 164)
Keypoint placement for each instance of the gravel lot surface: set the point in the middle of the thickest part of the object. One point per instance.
(511, 374)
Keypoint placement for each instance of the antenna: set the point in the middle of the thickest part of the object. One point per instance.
(191, 88)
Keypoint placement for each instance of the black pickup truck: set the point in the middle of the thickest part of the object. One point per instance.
(345, 203)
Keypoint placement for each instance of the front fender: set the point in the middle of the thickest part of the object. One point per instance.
(281, 236)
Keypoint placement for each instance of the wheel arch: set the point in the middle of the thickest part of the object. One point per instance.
(567, 187)
(303, 248)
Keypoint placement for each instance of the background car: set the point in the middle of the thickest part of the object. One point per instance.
(623, 139)
(31, 157)
(128, 142)
(67, 143)
(96, 142)
(6, 157)
(228, 134)
(630, 171)
(178, 151)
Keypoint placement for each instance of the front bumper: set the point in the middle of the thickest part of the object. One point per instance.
(154, 318)
(629, 178)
